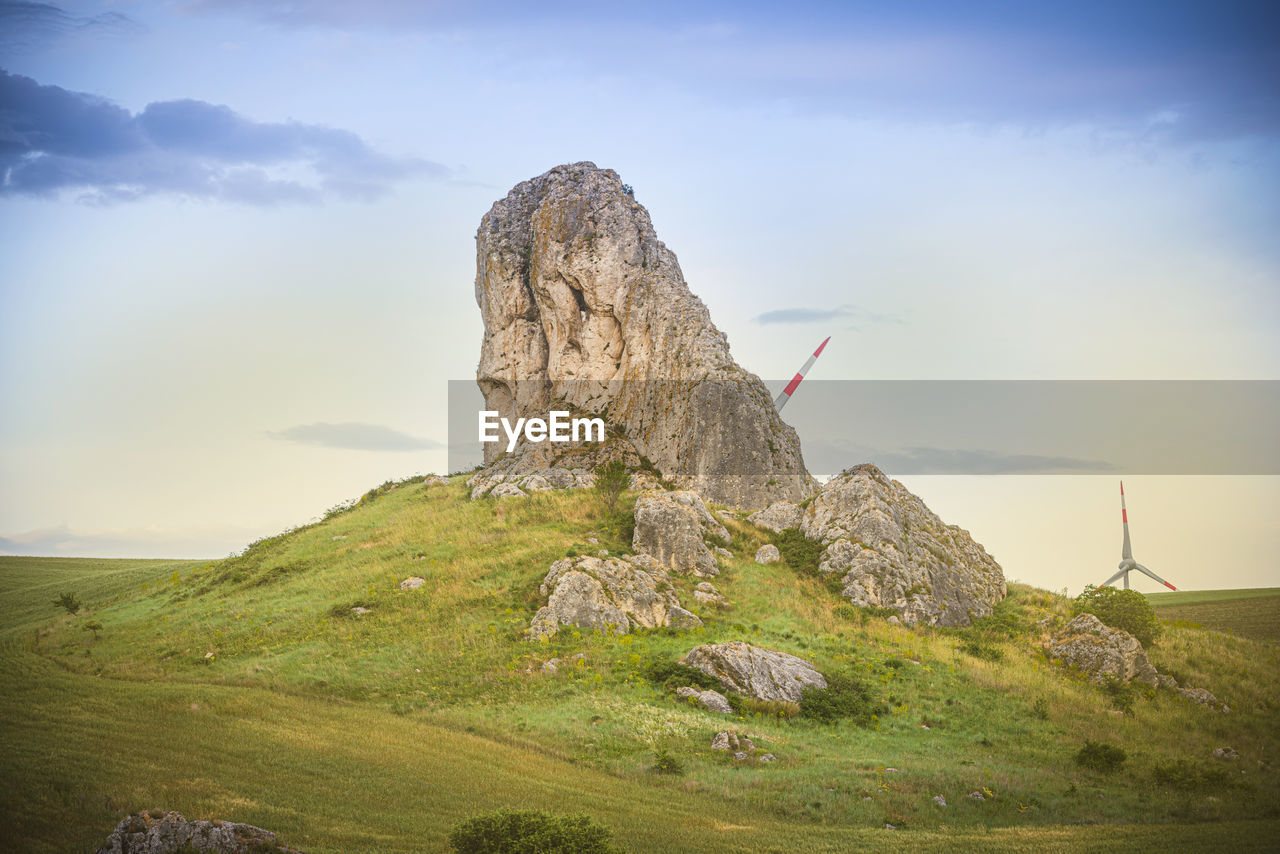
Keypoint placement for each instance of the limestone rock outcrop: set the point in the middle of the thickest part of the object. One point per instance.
(672, 528)
(609, 595)
(711, 700)
(1101, 651)
(584, 307)
(891, 551)
(778, 516)
(161, 832)
(751, 670)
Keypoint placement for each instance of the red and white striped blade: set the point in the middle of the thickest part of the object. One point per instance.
(781, 400)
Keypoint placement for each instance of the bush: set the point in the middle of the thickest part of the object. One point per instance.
(673, 674)
(843, 698)
(1184, 774)
(982, 649)
(68, 601)
(1120, 693)
(1127, 610)
(1005, 621)
(800, 552)
(612, 480)
(531, 832)
(1100, 756)
(665, 763)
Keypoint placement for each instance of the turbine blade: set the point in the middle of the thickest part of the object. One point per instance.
(1126, 551)
(1114, 578)
(781, 400)
(1152, 575)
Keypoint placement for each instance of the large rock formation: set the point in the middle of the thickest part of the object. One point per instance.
(161, 832)
(891, 551)
(584, 307)
(761, 673)
(609, 595)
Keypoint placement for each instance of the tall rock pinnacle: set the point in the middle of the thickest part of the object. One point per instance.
(583, 305)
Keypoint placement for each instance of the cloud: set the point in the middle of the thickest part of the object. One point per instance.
(62, 541)
(26, 26)
(53, 140)
(818, 315)
(828, 457)
(354, 436)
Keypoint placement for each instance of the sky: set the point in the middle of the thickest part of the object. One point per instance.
(237, 257)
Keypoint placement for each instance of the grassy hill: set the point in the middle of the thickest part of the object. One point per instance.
(1251, 613)
(248, 689)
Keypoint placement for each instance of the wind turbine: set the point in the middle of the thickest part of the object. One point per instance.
(781, 400)
(1127, 563)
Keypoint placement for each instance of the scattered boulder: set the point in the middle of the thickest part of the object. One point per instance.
(767, 757)
(435, 480)
(722, 551)
(582, 304)
(161, 832)
(1204, 698)
(761, 673)
(507, 490)
(977, 796)
(724, 740)
(768, 553)
(891, 551)
(361, 610)
(608, 594)
(707, 594)
(940, 800)
(778, 516)
(1226, 753)
(1101, 651)
(412, 583)
(740, 755)
(671, 527)
(712, 700)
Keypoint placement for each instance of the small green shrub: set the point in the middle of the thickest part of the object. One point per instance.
(1005, 621)
(843, 698)
(93, 626)
(531, 832)
(1100, 756)
(1127, 610)
(665, 763)
(1119, 693)
(1040, 708)
(69, 601)
(672, 674)
(847, 612)
(612, 479)
(800, 553)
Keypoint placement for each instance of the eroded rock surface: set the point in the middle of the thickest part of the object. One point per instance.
(672, 528)
(610, 595)
(1101, 651)
(584, 307)
(761, 673)
(711, 700)
(778, 516)
(160, 832)
(891, 551)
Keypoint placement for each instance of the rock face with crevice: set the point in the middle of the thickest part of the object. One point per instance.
(672, 527)
(1102, 651)
(585, 308)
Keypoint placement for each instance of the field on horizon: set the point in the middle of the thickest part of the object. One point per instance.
(1250, 612)
(248, 690)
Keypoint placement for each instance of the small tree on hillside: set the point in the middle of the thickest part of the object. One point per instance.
(68, 601)
(1127, 610)
(611, 480)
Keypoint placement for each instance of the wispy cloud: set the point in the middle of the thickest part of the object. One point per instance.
(354, 436)
(54, 140)
(63, 541)
(830, 456)
(819, 315)
(26, 26)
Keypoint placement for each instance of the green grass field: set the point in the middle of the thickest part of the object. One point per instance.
(1253, 613)
(247, 690)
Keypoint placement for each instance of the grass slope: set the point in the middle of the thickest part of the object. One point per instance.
(380, 732)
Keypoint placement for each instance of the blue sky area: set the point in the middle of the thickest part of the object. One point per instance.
(237, 258)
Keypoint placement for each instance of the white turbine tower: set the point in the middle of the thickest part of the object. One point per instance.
(1127, 563)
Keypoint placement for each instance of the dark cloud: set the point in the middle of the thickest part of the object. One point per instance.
(354, 436)
(53, 140)
(26, 26)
